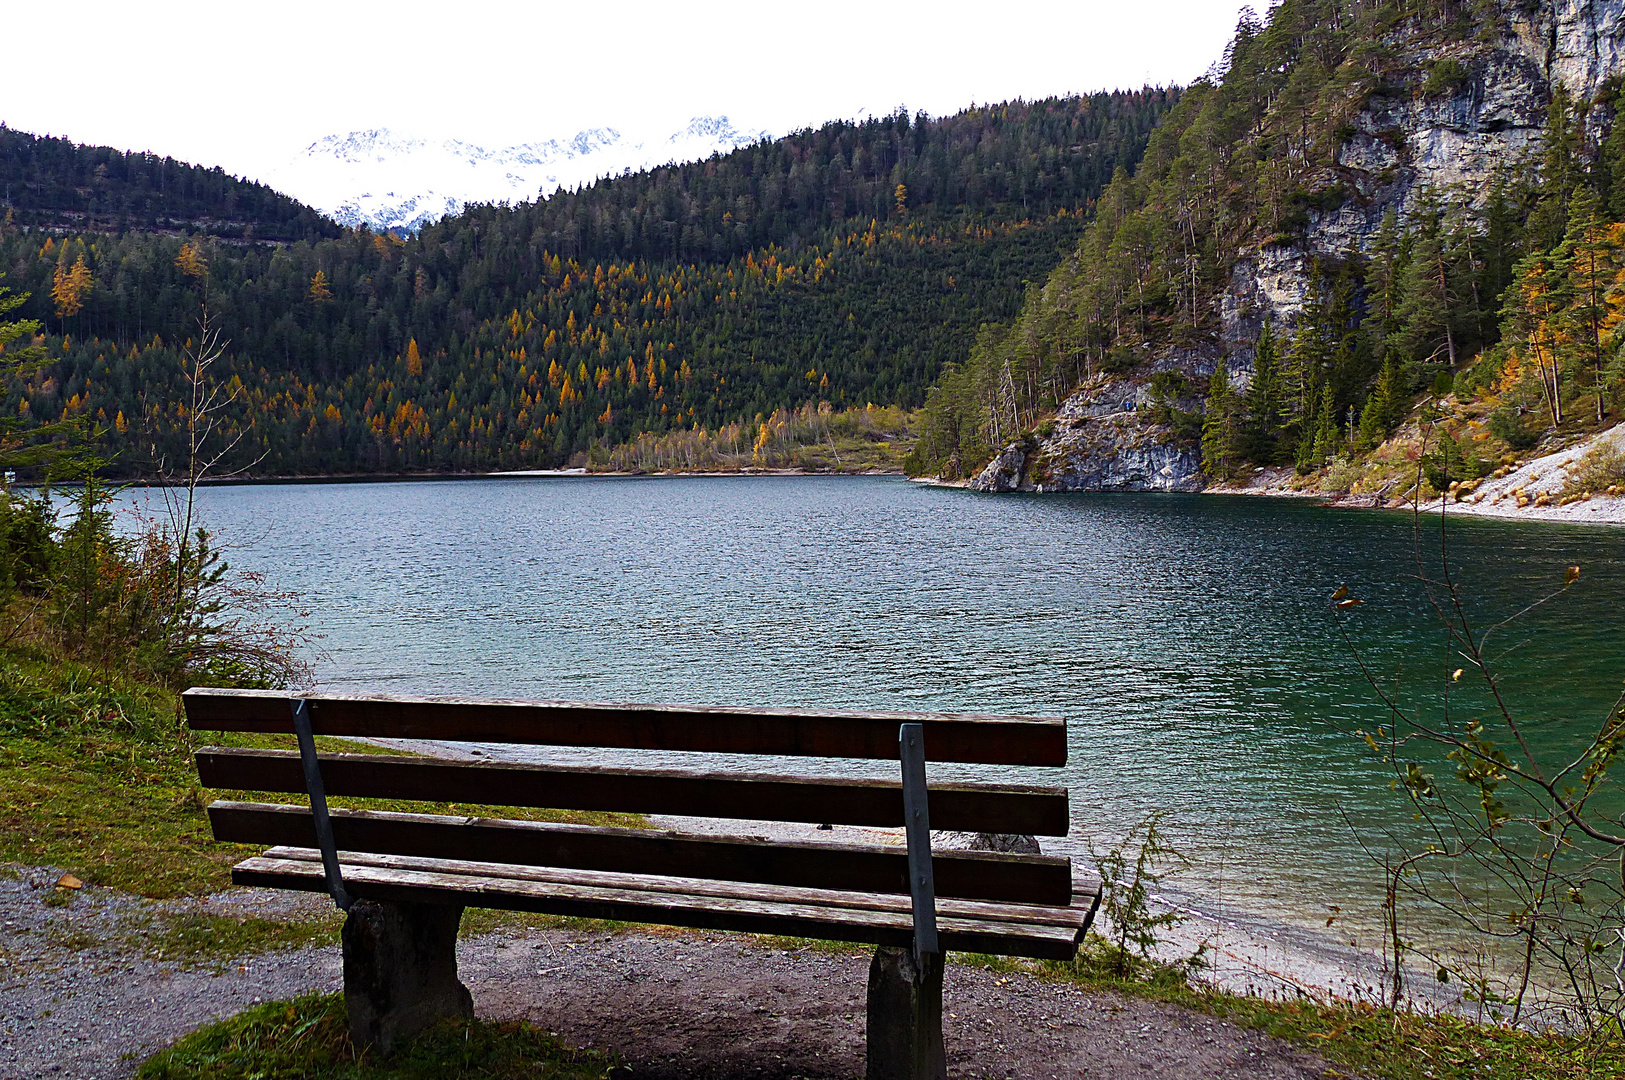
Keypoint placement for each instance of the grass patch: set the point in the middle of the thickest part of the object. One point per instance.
(816, 945)
(196, 939)
(1363, 1038)
(307, 1039)
(478, 922)
(96, 776)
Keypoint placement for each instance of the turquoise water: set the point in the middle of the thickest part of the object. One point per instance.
(1186, 639)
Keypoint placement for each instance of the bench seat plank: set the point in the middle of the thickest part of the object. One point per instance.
(766, 916)
(1022, 809)
(871, 868)
(1045, 915)
(975, 739)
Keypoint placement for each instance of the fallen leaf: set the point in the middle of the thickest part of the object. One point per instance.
(68, 881)
(1342, 591)
(1349, 603)
(1455, 676)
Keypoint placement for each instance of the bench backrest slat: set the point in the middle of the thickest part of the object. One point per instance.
(1033, 811)
(987, 740)
(970, 875)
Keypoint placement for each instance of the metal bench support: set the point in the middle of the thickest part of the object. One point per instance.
(917, 827)
(318, 803)
(905, 985)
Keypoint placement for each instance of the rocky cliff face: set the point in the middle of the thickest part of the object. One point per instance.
(1406, 143)
(1401, 144)
(1104, 439)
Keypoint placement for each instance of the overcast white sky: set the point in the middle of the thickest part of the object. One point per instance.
(247, 85)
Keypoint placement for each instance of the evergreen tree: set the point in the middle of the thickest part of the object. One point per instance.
(1561, 172)
(1384, 408)
(1263, 420)
(1533, 322)
(1220, 428)
(1592, 251)
(1326, 436)
(1426, 334)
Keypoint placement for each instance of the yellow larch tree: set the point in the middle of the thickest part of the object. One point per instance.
(69, 286)
(320, 291)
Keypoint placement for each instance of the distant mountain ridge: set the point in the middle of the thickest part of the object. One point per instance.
(386, 179)
(56, 184)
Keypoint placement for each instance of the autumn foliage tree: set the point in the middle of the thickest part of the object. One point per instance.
(69, 285)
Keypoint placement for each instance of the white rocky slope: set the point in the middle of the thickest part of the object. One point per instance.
(390, 180)
(1535, 489)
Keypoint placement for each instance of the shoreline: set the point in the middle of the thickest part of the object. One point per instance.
(1485, 500)
(515, 474)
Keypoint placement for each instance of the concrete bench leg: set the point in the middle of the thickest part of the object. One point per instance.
(905, 1017)
(400, 972)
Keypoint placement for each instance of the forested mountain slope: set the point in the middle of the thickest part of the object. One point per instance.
(56, 184)
(1376, 201)
(845, 264)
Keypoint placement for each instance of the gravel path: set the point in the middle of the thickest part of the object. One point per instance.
(79, 999)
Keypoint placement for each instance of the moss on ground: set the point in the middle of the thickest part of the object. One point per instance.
(306, 1039)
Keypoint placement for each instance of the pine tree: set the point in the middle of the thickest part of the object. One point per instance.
(1219, 425)
(1390, 254)
(1561, 171)
(1592, 252)
(1263, 420)
(1326, 436)
(1308, 361)
(1426, 335)
(1533, 317)
(1304, 459)
(1383, 408)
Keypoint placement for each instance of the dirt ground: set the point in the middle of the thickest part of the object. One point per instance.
(79, 999)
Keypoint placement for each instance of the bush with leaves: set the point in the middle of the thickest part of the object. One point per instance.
(132, 599)
(1518, 846)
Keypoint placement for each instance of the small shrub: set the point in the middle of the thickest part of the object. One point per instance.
(1168, 385)
(1341, 475)
(1509, 426)
(1446, 77)
(1600, 469)
(1126, 883)
(1451, 462)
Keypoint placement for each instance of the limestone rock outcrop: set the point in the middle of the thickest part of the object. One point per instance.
(1404, 143)
(1104, 439)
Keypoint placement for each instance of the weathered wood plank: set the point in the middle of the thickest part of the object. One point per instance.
(671, 909)
(1034, 811)
(971, 875)
(988, 740)
(1026, 914)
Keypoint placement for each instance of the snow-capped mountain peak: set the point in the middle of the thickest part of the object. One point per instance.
(393, 180)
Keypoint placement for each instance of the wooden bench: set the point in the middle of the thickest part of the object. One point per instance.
(404, 878)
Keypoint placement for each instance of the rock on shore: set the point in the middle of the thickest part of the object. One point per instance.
(1105, 438)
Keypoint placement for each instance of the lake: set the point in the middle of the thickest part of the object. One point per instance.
(1187, 639)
